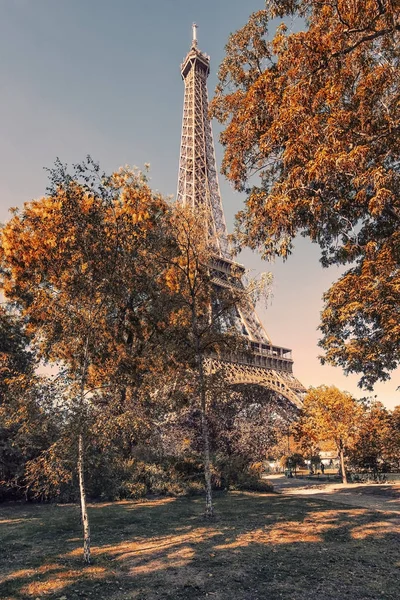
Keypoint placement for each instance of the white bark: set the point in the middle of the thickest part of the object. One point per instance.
(206, 441)
(84, 513)
(81, 475)
(342, 465)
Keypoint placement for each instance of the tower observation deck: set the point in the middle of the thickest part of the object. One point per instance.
(265, 364)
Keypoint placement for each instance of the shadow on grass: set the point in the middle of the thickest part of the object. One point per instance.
(260, 546)
(389, 491)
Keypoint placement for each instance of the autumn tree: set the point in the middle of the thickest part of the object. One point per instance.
(204, 319)
(330, 415)
(295, 461)
(369, 451)
(312, 135)
(190, 279)
(243, 423)
(31, 418)
(25, 428)
(247, 423)
(392, 440)
(31, 426)
(15, 356)
(78, 266)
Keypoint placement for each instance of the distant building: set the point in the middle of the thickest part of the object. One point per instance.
(329, 457)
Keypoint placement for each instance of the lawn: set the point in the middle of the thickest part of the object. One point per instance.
(260, 546)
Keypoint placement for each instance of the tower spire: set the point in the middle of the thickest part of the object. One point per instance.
(194, 30)
(198, 180)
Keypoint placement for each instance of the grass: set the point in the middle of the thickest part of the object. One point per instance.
(261, 546)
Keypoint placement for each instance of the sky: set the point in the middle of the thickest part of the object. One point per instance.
(102, 77)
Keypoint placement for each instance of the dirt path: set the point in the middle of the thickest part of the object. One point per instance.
(385, 497)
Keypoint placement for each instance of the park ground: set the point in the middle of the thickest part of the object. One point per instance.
(308, 541)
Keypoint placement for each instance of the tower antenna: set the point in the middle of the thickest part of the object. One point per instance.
(194, 29)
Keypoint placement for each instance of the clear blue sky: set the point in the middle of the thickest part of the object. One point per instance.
(101, 77)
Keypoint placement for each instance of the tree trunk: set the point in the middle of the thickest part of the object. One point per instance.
(81, 476)
(209, 513)
(85, 518)
(207, 470)
(342, 467)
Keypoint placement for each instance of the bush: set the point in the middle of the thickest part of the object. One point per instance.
(252, 483)
(235, 472)
(109, 477)
(138, 477)
(132, 490)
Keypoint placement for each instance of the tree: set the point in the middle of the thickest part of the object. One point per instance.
(31, 425)
(315, 115)
(392, 440)
(330, 415)
(15, 357)
(204, 319)
(27, 423)
(295, 460)
(369, 451)
(189, 277)
(78, 266)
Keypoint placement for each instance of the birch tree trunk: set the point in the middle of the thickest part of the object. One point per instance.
(82, 492)
(209, 513)
(81, 454)
(342, 467)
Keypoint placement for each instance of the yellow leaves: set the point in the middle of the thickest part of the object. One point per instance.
(279, 43)
(326, 104)
(130, 178)
(321, 164)
(172, 279)
(370, 250)
(138, 217)
(87, 203)
(361, 320)
(179, 317)
(379, 201)
(73, 260)
(331, 414)
(351, 162)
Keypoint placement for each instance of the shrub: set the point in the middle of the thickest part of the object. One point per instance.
(249, 482)
(235, 472)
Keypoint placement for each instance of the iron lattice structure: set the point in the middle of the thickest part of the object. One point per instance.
(265, 364)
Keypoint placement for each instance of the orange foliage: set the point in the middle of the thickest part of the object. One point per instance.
(316, 114)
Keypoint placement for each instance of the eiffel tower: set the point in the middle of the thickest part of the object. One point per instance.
(266, 364)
